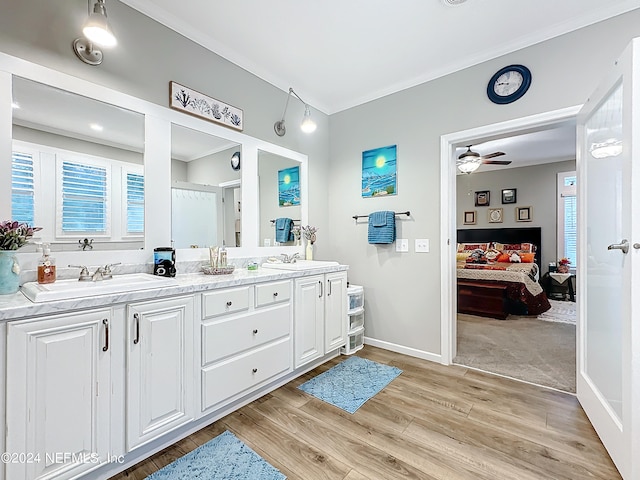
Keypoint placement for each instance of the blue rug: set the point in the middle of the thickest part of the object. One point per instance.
(351, 383)
(223, 458)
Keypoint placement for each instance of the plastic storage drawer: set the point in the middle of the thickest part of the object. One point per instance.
(355, 341)
(356, 320)
(355, 296)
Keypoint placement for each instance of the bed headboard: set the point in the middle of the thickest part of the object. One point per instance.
(505, 235)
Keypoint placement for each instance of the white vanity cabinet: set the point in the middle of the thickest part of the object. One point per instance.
(58, 395)
(246, 340)
(159, 368)
(320, 313)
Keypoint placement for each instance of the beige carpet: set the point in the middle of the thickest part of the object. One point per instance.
(537, 351)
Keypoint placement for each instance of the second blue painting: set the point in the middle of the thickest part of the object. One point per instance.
(379, 171)
(289, 186)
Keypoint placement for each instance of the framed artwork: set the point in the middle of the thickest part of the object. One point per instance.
(524, 214)
(379, 169)
(483, 198)
(289, 187)
(469, 217)
(197, 104)
(495, 215)
(509, 195)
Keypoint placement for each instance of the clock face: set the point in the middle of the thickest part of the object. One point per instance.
(509, 84)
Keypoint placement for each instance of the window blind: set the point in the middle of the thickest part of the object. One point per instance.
(84, 198)
(570, 228)
(135, 203)
(22, 191)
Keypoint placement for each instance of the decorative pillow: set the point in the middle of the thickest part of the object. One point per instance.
(516, 247)
(470, 247)
(514, 258)
(503, 257)
(462, 256)
(527, 257)
(492, 254)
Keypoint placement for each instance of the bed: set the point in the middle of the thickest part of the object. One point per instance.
(494, 285)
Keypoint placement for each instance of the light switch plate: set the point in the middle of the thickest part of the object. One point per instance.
(422, 245)
(402, 244)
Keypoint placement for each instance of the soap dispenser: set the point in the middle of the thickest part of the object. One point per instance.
(46, 266)
(222, 262)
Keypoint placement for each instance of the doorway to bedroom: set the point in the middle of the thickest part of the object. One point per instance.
(509, 226)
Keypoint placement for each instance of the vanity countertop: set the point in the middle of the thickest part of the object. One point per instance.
(17, 306)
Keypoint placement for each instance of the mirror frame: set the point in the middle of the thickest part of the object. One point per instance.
(157, 167)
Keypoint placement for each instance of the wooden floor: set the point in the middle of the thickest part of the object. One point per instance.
(430, 422)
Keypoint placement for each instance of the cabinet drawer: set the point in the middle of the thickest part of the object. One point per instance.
(229, 337)
(239, 375)
(270, 293)
(225, 301)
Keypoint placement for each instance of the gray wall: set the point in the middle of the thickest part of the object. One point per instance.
(402, 290)
(536, 187)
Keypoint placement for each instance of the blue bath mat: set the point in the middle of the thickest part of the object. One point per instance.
(223, 458)
(351, 383)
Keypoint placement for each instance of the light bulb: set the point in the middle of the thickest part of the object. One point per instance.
(308, 125)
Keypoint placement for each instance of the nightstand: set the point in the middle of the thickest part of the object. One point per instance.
(558, 286)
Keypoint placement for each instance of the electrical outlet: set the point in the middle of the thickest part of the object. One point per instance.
(422, 245)
(402, 244)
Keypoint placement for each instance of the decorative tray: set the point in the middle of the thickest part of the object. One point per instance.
(209, 270)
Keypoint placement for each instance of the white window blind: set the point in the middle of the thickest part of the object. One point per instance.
(84, 198)
(570, 228)
(22, 188)
(135, 203)
(567, 217)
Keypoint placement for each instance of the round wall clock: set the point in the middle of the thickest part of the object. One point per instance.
(509, 84)
(235, 161)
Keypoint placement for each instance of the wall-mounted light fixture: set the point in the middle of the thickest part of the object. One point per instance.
(96, 31)
(307, 125)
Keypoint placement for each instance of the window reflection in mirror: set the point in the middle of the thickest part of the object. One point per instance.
(206, 190)
(279, 185)
(77, 169)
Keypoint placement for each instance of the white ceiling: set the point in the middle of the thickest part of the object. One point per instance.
(337, 54)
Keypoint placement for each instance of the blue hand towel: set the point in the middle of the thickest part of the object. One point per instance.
(283, 230)
(382, 227)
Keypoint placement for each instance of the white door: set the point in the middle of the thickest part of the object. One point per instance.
(608, 383)
(335, 327)
(58, 395)
(159, 368)
(308, 319)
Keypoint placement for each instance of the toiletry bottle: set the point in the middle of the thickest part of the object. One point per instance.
(223, 257)
(46, 266)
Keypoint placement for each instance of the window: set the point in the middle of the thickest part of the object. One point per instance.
(567, 217)
(135, 203)
(22, 190)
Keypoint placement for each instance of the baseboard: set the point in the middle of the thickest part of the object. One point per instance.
(412, 352)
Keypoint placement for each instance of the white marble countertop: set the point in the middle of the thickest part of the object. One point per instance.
(17, 306)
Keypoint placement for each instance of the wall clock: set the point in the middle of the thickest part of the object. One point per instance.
(235, 161)
(509, 84)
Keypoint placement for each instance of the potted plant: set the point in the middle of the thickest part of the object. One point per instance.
(563, 265)
(13, 235)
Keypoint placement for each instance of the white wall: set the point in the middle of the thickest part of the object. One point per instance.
(402, 290)
(535, 187)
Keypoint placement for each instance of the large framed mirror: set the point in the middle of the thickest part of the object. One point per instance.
(76, 169)
(206, 189)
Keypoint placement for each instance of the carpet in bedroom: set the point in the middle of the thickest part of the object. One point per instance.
(526, 348)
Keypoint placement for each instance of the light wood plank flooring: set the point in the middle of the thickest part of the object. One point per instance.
(432, 422)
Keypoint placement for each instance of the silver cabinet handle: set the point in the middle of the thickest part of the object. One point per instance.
(320, 282)
(105, 322)
(136, 317)
(329, 292)
(623, 245)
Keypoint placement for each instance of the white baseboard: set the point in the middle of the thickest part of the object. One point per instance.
(412, 352)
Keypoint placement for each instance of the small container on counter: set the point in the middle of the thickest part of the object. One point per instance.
(46, 266)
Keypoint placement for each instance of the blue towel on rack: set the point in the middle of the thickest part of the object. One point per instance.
(382, 227)
(283, 230)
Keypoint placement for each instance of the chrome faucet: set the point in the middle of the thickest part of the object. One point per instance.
(98, 275)
(289, 258)
(101, 273)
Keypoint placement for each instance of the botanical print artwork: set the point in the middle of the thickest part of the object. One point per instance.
(289, 186)
(195, 103)
(379, 171)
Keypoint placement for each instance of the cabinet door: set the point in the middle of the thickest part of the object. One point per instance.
(308, 319)
(58, 384)
(336, 319)
(160, 368)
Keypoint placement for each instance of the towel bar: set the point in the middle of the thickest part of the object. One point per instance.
(356, 217)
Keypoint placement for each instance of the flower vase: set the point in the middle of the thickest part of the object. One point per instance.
(9, 272)
(563, 269)
(309, 253)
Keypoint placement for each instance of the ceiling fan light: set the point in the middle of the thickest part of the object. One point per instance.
(469, 166)
(611, 147)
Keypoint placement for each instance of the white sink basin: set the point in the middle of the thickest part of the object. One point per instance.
(69, 289)
(300, 265)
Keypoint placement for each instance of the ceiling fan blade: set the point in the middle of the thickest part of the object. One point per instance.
(494, 154)
(496, 162)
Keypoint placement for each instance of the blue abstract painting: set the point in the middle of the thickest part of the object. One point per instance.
(289, 186)
(379, 171)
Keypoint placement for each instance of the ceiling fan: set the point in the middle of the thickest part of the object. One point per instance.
(469, 161)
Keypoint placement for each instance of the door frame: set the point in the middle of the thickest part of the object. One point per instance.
(448, 224)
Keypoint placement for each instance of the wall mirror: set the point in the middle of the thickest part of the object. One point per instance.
(206, 189)
(77, 169)
(280, 199)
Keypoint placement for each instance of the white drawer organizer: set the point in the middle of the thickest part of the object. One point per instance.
(355, 319)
